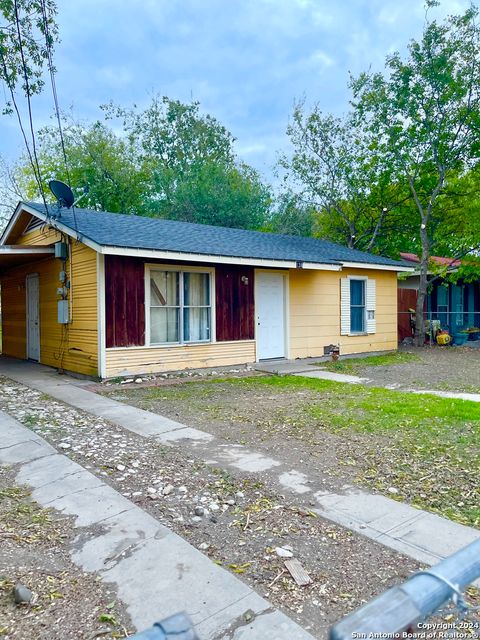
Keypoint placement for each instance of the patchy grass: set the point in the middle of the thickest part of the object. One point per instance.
(430, 455)
(416, 448)
(23, 520)
(355, 365)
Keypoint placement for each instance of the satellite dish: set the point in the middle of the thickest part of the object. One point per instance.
(62, 192)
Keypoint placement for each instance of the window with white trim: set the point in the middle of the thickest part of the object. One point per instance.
(180, 306)
(357, 306)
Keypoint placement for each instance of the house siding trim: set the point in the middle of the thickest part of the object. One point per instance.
(145, 360)
(101, 300)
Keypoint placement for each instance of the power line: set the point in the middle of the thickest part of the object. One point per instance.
(48, 44)
(34, 161)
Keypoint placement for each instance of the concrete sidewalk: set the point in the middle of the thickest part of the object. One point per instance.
(156, 572)
(423, 536)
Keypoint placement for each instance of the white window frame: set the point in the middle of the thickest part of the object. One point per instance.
(364, 280)
(180, 268)
(370, 322)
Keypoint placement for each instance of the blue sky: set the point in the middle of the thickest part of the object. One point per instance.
(246, 61)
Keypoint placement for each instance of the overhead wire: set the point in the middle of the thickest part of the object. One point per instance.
(29, 106)
(51, 69)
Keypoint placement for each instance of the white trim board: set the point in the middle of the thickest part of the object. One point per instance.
(380, 267)
(101, 318)
(22, 249)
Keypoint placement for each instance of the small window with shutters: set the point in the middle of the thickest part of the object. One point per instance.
(357, 306)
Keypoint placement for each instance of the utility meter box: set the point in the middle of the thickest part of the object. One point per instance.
(63, 312)
(61, 250)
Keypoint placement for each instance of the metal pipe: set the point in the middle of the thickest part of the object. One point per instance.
(405, 605)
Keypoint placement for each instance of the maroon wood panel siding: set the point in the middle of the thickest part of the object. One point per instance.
(124, 301)
(234, 303)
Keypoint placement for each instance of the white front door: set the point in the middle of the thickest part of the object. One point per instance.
(270, 312)
(33, 317)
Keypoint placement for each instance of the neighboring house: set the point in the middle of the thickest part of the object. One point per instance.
(455, 306)
(109, 295)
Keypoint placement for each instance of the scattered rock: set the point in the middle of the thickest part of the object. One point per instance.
(240, 494)
(392, 490)
(213, 506)
(182, 489)
(64, 445)
(168, 489)
(199, 511)
(139, 380)
(230, 502)
(120, 467)
(283, 552)
(21, 594)
(203, 546)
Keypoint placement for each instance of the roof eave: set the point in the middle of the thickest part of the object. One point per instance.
(156, 254)
(190, 257)
(379, 267)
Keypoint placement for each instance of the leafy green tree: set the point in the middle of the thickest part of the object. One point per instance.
(229, 195)
(170, 161)
(102, 167)
(292, 215)
(27, 37)
(173, 140)
(424, 114)
(28, 32)
(340, 173)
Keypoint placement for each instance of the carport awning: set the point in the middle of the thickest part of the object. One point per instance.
(13, 255)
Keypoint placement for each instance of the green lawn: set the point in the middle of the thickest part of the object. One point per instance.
(425, 448)
(355, 365)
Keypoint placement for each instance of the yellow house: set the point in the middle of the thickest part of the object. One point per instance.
(107, 295)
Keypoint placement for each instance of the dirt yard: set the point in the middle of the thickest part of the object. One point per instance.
(419, 449)
(238, 521)
(67, 603)
(441, 368)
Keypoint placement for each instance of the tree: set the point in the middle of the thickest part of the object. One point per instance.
(292, 215)
(27, 37)
(341, 175)
(228, 195)
(173, 140)
(425, 116)
(194, 173)
(102, 167)
(169, 161)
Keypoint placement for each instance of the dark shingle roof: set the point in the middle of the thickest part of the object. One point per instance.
(137, 232)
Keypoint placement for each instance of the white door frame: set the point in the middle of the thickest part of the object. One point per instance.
(286, 307)
(28, 279)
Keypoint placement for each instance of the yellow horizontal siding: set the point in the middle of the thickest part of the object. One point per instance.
(139, 360)
(40, 237)
(314, 313)
(72, 347)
